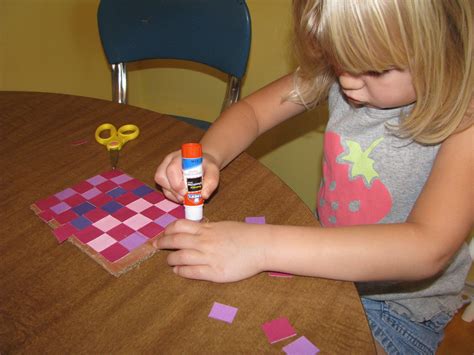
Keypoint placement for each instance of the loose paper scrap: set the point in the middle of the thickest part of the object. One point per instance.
(279, 274)
(255, 220)
(278, 329)
(301, 346)
(223, 312)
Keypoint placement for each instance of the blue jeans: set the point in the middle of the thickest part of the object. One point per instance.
(399, 335)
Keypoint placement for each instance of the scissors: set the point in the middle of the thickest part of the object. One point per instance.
(115, 139)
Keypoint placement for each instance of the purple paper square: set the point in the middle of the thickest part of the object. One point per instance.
(91, 193)
(83, 208)
(60, 207)
(116, 192)
(133, 241)
(96, 180)
(121, 179)
(255, 220)
(223, 312)
(301, 346)
(65, 194)
(112, 207)
(81, 222)
(165, 220)
(142, 190)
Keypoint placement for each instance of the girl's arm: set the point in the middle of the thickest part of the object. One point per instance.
(245, 120)
(437, 226)
(231, 134)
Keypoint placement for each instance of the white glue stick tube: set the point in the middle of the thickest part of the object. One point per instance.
(191, 154)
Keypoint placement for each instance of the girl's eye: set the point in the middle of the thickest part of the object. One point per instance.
(377, 73)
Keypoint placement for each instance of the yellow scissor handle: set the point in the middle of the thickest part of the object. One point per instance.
(128, 132)
(116, 139)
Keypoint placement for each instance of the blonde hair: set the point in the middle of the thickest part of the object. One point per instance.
(433, 39)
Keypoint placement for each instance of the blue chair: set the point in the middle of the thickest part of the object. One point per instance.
(216, 33)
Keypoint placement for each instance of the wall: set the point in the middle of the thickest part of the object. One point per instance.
(54, 46)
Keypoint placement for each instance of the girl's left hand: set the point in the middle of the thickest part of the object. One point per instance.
(219, 252)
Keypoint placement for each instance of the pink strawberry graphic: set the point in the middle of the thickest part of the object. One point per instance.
(352, 192)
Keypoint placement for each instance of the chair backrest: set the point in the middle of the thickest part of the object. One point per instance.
(216, 33)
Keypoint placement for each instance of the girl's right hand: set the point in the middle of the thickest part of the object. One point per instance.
(169, 175)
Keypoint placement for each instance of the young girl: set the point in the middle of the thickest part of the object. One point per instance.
(397, 170)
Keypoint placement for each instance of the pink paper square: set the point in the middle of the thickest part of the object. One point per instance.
(111, 174)
(63, 232)
(100, 200)
(46, 215)
(87, 234)
(137, 221)
(120, 232)
(151, 230)
(106, 223)
(75, 200)
(139, 205)
(153, 212)
(66, 216)
(178, 212)
(126, 198)
(123, 214)
(223, 312)
(101, 242)
(279, 274)
(132, 184)
(106, 186)
(166, 205)
(278, 329)
(114, 252)
(95, 215)
(82, 187)
(47, 202)
(154, 197)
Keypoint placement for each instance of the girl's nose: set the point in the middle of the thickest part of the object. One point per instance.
(351, 82)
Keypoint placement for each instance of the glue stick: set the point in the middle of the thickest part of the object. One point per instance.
(191, 154)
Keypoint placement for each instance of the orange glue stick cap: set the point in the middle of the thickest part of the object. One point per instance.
(191, 150)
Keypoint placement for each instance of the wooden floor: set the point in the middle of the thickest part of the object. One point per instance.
(458, 337)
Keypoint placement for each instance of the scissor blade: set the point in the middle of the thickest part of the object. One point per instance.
(114, 157)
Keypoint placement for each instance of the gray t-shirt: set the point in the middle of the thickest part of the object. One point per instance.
(370, 175)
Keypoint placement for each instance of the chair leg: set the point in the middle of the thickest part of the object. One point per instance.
(233, 92)
(119, 83)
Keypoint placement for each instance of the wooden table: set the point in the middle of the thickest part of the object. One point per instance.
(55, 299)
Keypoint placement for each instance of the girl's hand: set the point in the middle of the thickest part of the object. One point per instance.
(169, 175)
(219, 252)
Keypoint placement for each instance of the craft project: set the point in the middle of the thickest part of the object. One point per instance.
(112, 216)
(223, 312)
(301, 346)
(278, 329)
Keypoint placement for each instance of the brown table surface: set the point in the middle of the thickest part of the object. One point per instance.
(56, 299)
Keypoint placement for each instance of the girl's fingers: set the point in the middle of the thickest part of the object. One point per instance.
(183, 226)
(210, 180)
(185, 257)
(197, 272)
(173, 196)
(175, 241)
(174, 174)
